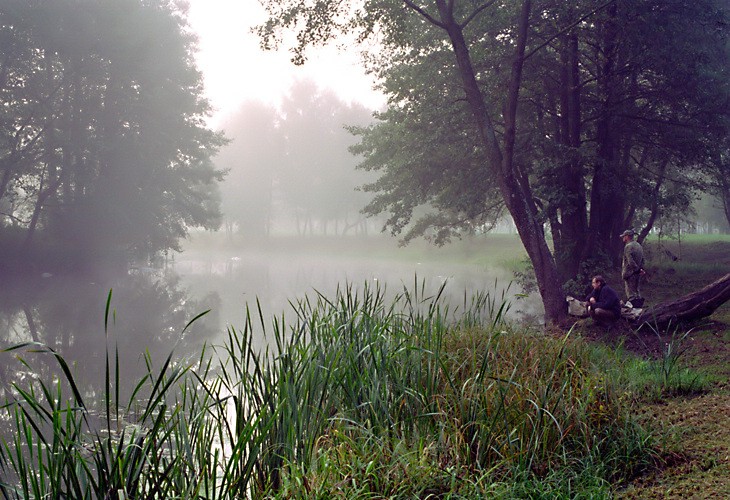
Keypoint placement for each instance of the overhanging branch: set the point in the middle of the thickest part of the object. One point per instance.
(425, 14)
(568, 28)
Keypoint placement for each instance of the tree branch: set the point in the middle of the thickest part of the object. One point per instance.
(14, 217)
(425, 14)
(568, 28)
(476, 12)
(693, 306)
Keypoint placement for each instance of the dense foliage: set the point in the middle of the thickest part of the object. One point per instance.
(580, 119)
(104, 153)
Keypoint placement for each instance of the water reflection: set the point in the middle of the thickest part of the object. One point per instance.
(275, 278)
(152, 307)
(149, 311)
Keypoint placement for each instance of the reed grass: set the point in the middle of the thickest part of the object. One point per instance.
(354, 396)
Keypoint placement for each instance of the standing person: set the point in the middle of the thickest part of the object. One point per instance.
(604, 305)
(632, 268)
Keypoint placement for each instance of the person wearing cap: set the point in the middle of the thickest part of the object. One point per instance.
(632, 267)
(603, 303)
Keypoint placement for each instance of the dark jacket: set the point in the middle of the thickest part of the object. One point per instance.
(606, 298)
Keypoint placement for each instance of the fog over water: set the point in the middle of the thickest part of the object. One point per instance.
(150, 306)
(277, 277)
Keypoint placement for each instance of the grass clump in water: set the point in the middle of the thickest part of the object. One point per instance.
(356, 397)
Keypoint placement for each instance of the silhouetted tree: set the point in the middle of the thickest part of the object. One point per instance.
(318, 177)
(293, 163)
(253, 158)
(105, 152)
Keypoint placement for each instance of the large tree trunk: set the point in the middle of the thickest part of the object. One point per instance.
(606, 204)
(570, 239)
(725, 195)
(696, 305)
(654, 210)
(513, 185)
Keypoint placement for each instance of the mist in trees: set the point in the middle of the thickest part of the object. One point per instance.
(104, 153)
(576, 120)
(579, 119)
(290, 170)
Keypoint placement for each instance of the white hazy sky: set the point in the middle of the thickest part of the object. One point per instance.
(237, 70)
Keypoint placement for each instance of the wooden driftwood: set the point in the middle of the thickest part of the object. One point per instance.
(695, 305)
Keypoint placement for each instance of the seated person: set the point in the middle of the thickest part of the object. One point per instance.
(603, 303)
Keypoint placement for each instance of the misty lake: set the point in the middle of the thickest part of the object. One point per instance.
(150, 307)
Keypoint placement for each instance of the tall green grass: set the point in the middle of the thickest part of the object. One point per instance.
(664, 375)
(353, 396)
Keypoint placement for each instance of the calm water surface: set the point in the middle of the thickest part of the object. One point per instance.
(151, 307)
(277, 278)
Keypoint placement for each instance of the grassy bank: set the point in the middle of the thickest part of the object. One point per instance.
(357, 397)
(693, 426)
(690, 416)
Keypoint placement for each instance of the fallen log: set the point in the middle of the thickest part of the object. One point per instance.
(693, 306)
